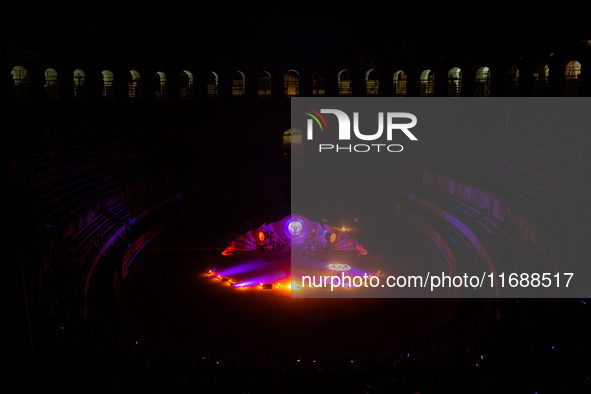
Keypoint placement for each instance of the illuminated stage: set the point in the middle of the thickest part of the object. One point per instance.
(170, 296)
(298, 231)
(278, 253)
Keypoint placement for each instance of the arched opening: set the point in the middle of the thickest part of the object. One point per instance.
(292, 146)
(186, 85)
(399, 80)
(291, 81)
(238, 81)
(264, 84)
(482, 82)
(372, 83)
(292, 137)
(540, 79)
(134, 85)
(79, 84)
(511, 80)
(318, 84)
(160, 85)
(108, 85)
(571, 78)
(427, 83)
(572, 70)
(52, 85)
(22, 85)
(212, 85)
(454, 82)
(345, 83)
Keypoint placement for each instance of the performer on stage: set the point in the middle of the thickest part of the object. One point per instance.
(275, 243)
(312, 237)
(330, 239)
(311, 244)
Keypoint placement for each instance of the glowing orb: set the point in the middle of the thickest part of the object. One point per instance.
(295, 228)
(338, 267)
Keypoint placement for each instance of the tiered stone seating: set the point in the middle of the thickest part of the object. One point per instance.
(528, 171)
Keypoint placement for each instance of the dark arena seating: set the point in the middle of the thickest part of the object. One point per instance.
(106, 151)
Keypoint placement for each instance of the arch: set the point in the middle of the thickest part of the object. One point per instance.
(134, 89)
(291, 83)
(318, 84)
(540, 79)
(238, 83)
(212, 84)
(454, 82)
(345, 83)
(108, 90)
(482, 82)
(186, 85)
(292, 137)
(160, 85)
(427, 80)
(372, 84)
(399, 81)
(292, 145)
(79, 84)
(22, 85)
(572, 72)
(52, 85)
(511, 80)
(264, 84)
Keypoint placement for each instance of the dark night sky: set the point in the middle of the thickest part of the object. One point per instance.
(310, 32)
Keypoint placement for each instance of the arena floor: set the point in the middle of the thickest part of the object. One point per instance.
(168, 295)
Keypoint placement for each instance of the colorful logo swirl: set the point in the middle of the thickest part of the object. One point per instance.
(315, 116)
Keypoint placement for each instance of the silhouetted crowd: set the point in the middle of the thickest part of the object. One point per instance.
(534, 346)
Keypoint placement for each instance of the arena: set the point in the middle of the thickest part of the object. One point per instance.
(134, 162)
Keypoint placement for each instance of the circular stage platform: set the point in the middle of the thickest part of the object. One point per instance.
(168, 294)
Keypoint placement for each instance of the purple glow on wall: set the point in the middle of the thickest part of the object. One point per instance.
(466, 231)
